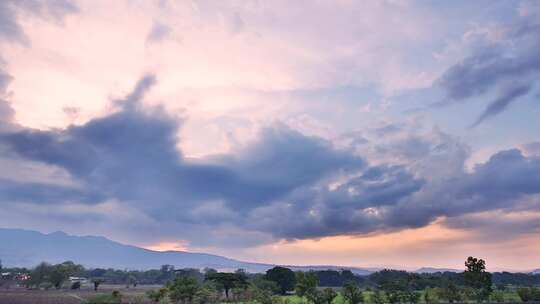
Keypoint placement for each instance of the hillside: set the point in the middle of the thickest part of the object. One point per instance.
(25, 248)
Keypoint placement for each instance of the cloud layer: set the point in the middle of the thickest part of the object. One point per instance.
(273, 124)
(283, 185)
(10, 10)
(506, 62)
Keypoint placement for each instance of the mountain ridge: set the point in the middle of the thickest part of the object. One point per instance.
(27, 248)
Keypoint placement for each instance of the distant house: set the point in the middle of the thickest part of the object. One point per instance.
(78, 279)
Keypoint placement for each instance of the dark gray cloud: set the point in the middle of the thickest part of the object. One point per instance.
(392, 198)
(10, 10)
(350, 208)
(282, 185)
(507, 95)
(508, 67)
(17, 191)
(131, 156)
(504, 182)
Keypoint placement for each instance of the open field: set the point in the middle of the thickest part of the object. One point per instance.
(135, 295)
(25, 296)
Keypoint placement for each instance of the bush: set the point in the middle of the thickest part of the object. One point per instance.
(183, 289)
(206, 295)
(352, 294)
(378, 297)
(157, 295)
(262, 296)
(527, 294)
(497, 296)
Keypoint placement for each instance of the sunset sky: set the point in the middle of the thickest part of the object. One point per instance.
(363, 133)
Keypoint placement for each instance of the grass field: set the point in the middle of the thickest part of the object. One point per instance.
(136, 295)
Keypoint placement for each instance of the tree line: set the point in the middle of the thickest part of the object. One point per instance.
(189, 286)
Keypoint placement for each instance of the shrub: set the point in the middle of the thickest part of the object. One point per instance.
(206, 295)
(157, 295)
(527, 294)
(352, 294)
(497, 296)
(183, 290)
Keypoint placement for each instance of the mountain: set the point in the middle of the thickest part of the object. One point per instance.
(537, 271)
(25, 248)
(434, 270)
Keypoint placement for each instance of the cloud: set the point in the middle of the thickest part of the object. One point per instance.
(507, 96)
(504, 182)
(497, 225)
(508, 65)
(11, 29)
(6, 111)
(158, 32)
(281, 185)
(532, 148)
(131, 156)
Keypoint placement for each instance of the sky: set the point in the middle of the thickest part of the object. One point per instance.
(389, 133)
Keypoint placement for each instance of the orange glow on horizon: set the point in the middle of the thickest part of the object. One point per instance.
(167, 246)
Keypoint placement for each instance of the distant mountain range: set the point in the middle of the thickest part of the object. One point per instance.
(25, 248)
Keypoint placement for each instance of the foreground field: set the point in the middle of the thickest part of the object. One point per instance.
(137, 295)
(132, 296)
(23, 296)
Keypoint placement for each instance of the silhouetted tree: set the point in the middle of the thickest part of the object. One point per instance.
(477, 278)
(227, 280)
(284, 277)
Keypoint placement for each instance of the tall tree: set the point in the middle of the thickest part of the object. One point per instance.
(40, 274)
(477, 278)
(284, 277)
(227, 280)
(61, 272)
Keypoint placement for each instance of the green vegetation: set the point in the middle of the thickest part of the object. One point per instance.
(114, 298)
(279, 285)
(529, 294)
(283, 277)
